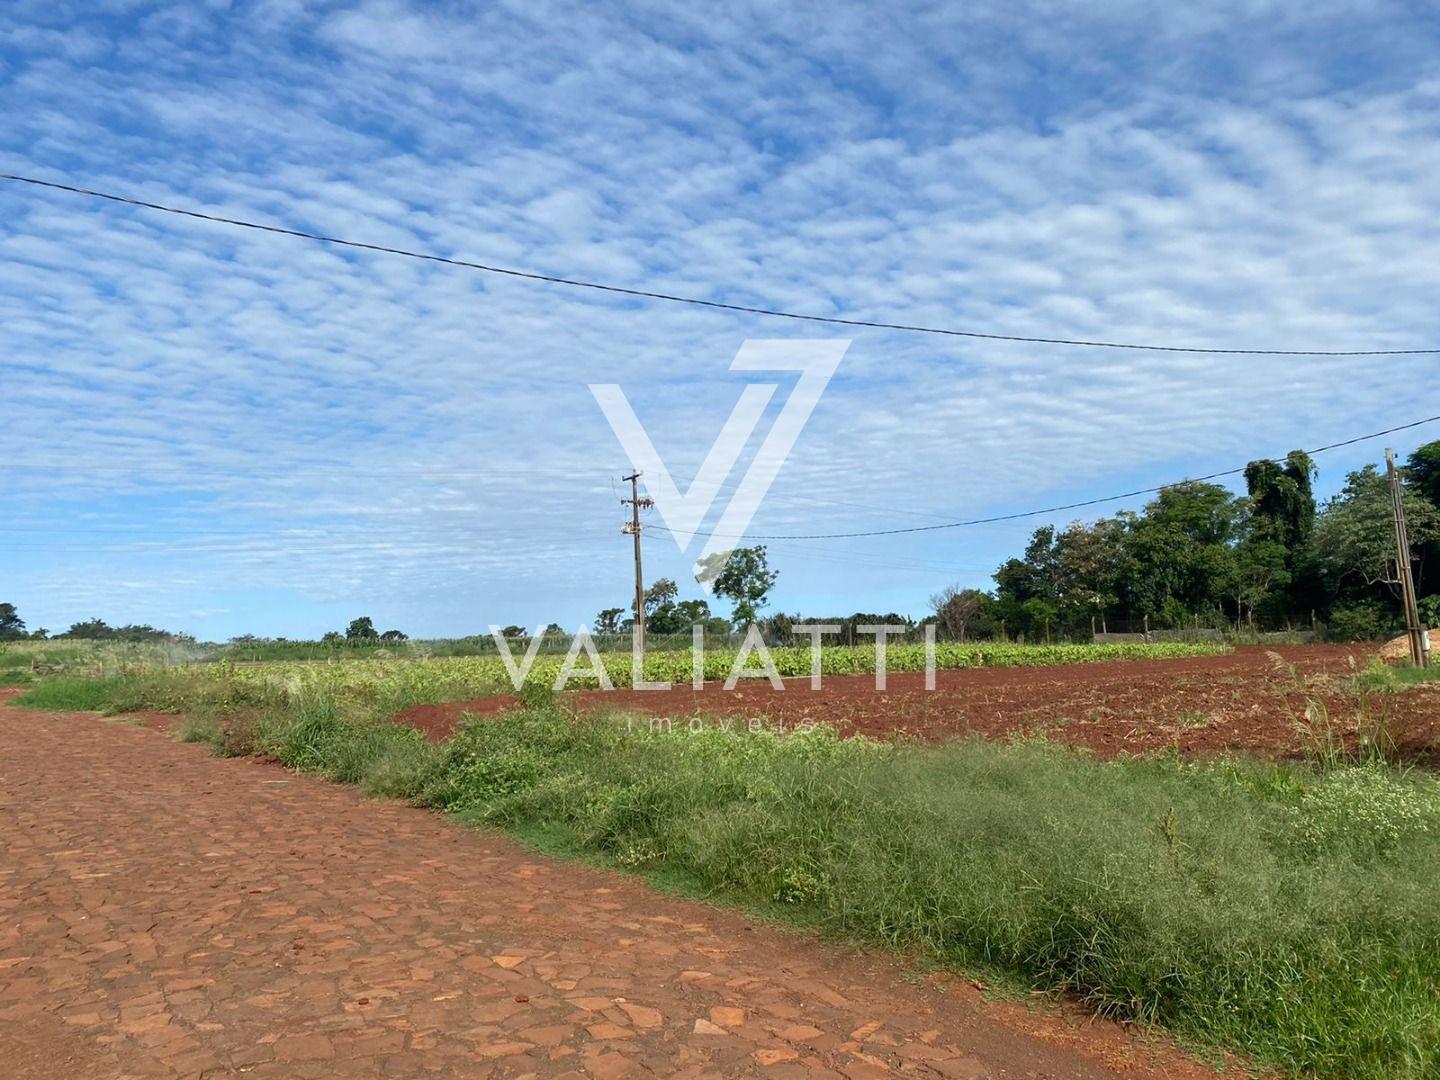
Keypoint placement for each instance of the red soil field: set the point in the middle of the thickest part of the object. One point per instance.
(1199, 705)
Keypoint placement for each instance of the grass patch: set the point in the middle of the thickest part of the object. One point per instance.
(16, 678)
(70, 694)
(199, 729)
(1384, 678)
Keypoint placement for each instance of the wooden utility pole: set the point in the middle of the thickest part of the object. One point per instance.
(636, 504)
(1419, 655)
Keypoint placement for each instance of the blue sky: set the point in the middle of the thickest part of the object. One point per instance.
(222, 432)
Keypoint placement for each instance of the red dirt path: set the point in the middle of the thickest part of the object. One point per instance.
(167, 913)
(1200, 704)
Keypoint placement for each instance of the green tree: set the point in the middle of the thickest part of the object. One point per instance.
(11, 625)
(608, 621)
(1430, 609)
(394, 635)
(1180, 552)
(361, 629)
(662, 614)
(1019, 581)
(1040, 616)
(779, 628)
(672, 617)
(662, 591)
(91, 630)
(1091, 561)
(745, 580)
(1282, 512)
(1260, 567)
(1423, 468)
(1422, 472)
(1033, 576)
(1282, 503)
(691, 612)
(1355, 537)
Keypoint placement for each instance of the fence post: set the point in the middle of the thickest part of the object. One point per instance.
(1147, 626)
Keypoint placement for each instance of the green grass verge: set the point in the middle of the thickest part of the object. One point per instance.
(70, 694)
(1288, 913)
(1383, 678)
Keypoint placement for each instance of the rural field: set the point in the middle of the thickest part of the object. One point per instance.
(1234, 845)
(822, 541)
(1251, 698)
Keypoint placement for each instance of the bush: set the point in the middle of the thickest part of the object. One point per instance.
(1366, 620)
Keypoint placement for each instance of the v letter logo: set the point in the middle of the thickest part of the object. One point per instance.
(815, 360)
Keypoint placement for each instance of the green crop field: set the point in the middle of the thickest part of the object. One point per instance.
(381, 686)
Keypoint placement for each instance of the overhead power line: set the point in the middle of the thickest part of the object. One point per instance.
(648, 294)
(1049, 509)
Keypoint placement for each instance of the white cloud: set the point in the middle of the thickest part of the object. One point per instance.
(346, 427)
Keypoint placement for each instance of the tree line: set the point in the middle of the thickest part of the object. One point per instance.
(1199, 555)
(12, 628)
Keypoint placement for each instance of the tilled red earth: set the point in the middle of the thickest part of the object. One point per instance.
(1200, 705)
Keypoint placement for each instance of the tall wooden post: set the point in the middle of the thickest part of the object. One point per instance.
(1418, 653)
(633, 527)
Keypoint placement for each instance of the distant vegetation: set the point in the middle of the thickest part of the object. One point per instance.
(12, 628)
(1198, 556)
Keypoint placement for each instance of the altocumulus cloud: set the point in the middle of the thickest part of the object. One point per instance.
(264, 433)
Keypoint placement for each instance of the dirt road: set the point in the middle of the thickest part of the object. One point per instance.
(163, 912)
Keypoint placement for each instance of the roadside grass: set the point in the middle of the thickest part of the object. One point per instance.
(1379, 677)
(14, 668)
(70, 694)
